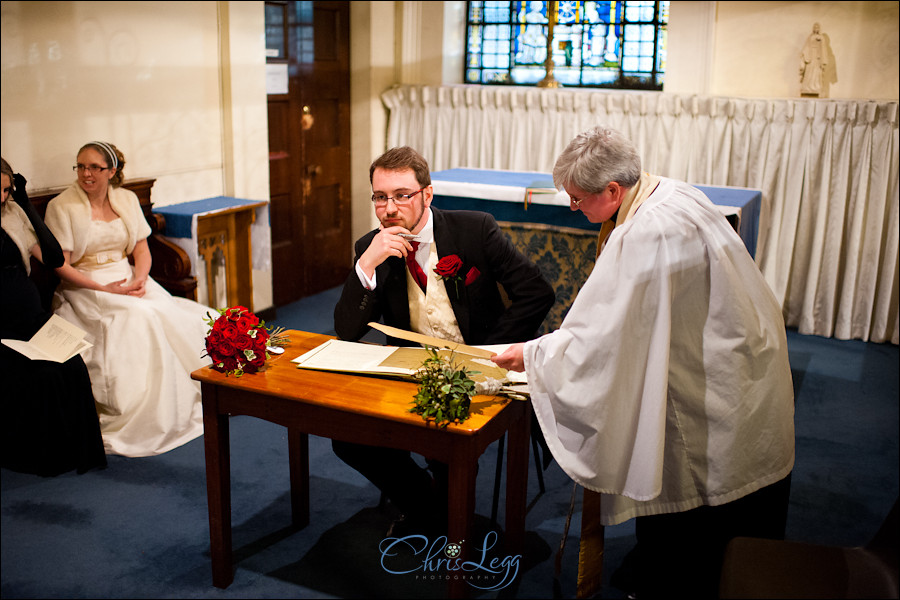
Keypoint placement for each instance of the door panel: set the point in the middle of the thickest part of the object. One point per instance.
(309, 143)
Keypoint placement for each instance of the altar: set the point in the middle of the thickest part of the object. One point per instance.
(531, 197)
(562, 242)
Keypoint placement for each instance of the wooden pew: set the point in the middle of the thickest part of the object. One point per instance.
(171, 264)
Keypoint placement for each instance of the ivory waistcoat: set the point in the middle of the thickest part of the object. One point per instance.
(430, 313)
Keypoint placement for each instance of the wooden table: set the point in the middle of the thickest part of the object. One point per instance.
(366, 410)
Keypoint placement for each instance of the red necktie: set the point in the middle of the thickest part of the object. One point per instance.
(414, 268)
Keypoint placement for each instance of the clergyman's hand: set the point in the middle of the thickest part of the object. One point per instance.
(511, 359)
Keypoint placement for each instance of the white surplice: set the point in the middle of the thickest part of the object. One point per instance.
(668, 384)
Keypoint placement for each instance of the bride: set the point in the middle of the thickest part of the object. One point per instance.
(146, 342)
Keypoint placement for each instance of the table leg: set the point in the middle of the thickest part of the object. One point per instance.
(461, 511)
(517, 479)
(218, 486)
(298, 458)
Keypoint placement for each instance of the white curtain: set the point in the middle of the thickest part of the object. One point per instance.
(828, 171)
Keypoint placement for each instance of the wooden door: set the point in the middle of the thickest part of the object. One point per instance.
(309, 147)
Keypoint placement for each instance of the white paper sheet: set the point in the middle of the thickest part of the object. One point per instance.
(57, 341)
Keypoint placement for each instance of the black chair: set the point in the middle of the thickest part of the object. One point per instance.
(762, 568)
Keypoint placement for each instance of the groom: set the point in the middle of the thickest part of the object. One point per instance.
(395, 280)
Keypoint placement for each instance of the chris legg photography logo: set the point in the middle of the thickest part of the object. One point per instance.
(439, 560)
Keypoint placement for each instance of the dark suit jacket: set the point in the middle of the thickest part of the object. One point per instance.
(479, 308)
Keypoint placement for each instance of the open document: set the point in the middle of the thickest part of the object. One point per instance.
(57, 341)
(401, 362)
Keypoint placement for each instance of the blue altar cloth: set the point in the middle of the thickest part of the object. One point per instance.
(180, 217)
(503, 193)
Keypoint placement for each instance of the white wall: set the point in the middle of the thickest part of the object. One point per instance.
(372, 70)
(454, 41)
(691, 47)
(391, 42)
(758, 44)
(245, 127)
(179, 87)
(78, 71)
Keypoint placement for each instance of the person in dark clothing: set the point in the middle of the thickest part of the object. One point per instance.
(50, 424)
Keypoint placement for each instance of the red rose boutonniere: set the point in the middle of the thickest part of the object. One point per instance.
(238, 342)
(449, 268)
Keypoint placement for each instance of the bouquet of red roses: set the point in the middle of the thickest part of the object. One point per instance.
(238, 342)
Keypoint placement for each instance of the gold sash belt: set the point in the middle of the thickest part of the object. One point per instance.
(95, 261)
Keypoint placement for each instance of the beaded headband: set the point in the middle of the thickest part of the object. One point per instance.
(110, 152)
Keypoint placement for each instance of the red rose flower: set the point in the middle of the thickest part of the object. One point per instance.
(214, 338)
(242, 342)
(225, 349)
(259, 345)
(448, 269)
(448, 266)
(246, 322)
(259, 361)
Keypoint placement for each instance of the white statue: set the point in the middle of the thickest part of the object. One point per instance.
(813, 63)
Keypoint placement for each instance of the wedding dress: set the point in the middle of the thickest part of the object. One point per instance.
(144, 350)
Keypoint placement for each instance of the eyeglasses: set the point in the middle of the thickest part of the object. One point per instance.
(92, 169)
(577, 201)
(399, 199)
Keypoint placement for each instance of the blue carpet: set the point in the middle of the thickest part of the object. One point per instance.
(139, 528)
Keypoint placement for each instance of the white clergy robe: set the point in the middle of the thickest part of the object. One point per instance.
(668, 385)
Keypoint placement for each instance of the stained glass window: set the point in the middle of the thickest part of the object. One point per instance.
(614, 44)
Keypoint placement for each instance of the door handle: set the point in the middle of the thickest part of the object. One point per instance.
(306, 119)
(313, 170)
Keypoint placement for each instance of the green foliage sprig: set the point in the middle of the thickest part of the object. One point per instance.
(445, 390)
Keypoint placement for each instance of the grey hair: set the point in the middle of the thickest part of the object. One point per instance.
(595, 158)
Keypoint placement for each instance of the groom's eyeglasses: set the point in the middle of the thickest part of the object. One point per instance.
(400, 199)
